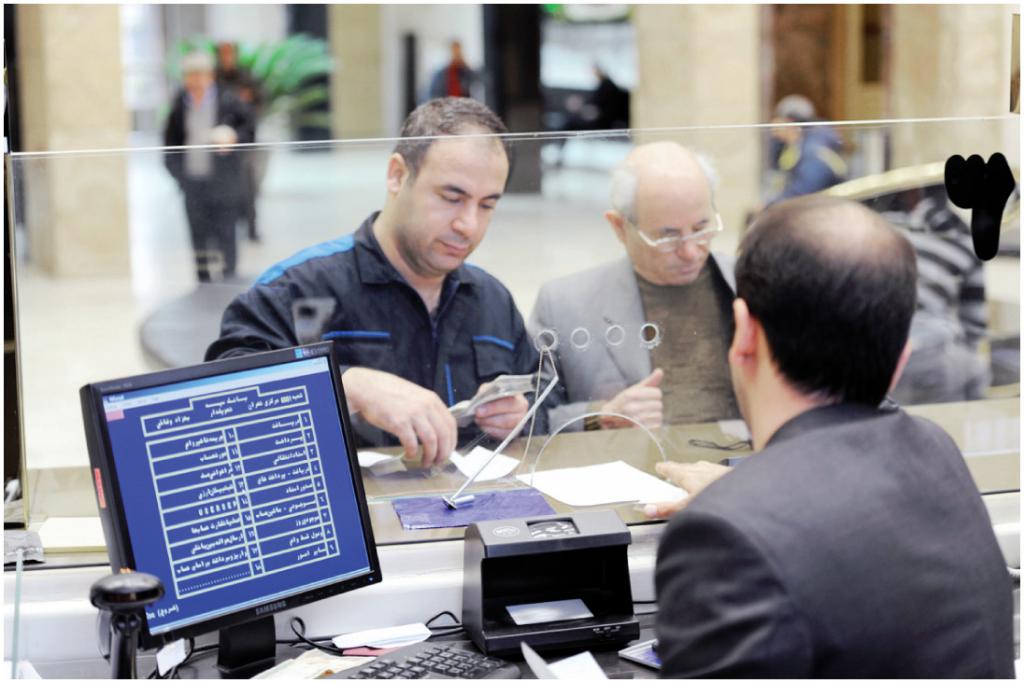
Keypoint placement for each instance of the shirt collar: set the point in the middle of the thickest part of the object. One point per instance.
(820, 418)
(375, 268)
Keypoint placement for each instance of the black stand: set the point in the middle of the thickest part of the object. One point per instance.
(247, 649)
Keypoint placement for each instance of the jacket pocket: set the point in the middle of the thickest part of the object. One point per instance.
(494, 356)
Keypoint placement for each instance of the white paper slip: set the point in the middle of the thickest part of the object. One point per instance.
(312, 664)
(612, 482)
(72, 534)
(170, 656)
(578, 667)
(544, 612)
(735, 428)
(393, 636)
(473, 461)
(371, 458)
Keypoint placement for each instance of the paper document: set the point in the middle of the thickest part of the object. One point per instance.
(735, 428)
(312, 664)
(393, 636)
(371, 458)
(470, 463)
(613, 482)
(544, 612)
(72, 534)
(579, 667)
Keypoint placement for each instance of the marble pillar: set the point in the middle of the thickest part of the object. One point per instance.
(354, 34)
(70, 89)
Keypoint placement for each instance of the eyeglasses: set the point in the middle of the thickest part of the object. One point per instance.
(701, 238)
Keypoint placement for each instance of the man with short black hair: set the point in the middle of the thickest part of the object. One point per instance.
(854, 542)
(416, 329)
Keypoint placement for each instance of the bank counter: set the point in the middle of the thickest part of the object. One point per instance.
(421, 578)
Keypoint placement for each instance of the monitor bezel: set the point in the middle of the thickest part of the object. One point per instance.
(115, 527)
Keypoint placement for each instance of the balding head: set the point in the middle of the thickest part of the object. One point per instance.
(663, 190)
(834, 287)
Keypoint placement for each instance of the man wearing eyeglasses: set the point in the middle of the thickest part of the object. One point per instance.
(646, 336)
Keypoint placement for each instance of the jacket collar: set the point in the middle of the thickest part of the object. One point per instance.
(375, 268)
(823, 417)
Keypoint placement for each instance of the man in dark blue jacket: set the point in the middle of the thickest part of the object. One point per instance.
(417, 330)
(808, 156)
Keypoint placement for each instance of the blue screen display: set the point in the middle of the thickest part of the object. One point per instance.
(236, 489)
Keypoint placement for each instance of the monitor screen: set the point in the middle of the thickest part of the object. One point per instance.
(234, 483)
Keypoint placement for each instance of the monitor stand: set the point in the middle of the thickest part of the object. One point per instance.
(247, 649)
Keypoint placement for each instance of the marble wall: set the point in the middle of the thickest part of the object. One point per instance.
(354, 33)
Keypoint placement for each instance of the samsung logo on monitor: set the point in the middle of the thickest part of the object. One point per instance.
(272, 607)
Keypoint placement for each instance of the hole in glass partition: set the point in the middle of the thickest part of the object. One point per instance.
(546, 340)
(650, 335)
(615, 335)
(580, 338)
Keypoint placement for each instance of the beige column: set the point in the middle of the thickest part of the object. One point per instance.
(76, 206)
(699, 65)
(354, 33)
(948, 60)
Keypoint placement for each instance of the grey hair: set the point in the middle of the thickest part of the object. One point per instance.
(624, 182)
(197, 61)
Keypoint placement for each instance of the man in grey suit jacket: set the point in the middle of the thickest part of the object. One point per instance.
(645, 336)
(854, 542)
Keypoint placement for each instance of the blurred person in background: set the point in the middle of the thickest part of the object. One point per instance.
(212, 180)
(808, 157)
(455, 79)
(951, 319)
(234, 77)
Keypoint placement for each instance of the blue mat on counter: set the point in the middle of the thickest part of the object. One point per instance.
(430, 512)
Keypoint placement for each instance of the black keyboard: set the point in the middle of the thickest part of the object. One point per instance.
(435, 660)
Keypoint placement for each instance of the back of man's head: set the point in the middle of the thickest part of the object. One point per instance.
(834, 288)
(446, 116)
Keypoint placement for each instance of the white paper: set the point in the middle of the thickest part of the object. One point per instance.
(613, 482)
(582, 667)
(735, 428)
(312, 664)
(170, 656)
(393, 636)
(72, 534)
(371, 458)
(544, 612)
(470, 463)
(579, 667)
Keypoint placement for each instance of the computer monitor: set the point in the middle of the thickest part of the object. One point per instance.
(237, 484)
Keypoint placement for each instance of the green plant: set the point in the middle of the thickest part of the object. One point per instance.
(289, 74)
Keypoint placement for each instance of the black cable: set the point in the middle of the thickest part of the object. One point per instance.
(437, 616)
(301, 635)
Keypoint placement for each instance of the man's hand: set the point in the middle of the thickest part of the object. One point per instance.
(498, 417)
(691, 477)
(413, 414)
(642, 402)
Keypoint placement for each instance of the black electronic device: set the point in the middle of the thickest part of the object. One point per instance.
(434, 660)
(236, 484)
(124, 597)
(573, 566)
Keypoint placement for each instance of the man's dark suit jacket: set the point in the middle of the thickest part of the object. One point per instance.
(854, 545)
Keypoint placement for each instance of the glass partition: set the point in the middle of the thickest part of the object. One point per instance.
(122, 270)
